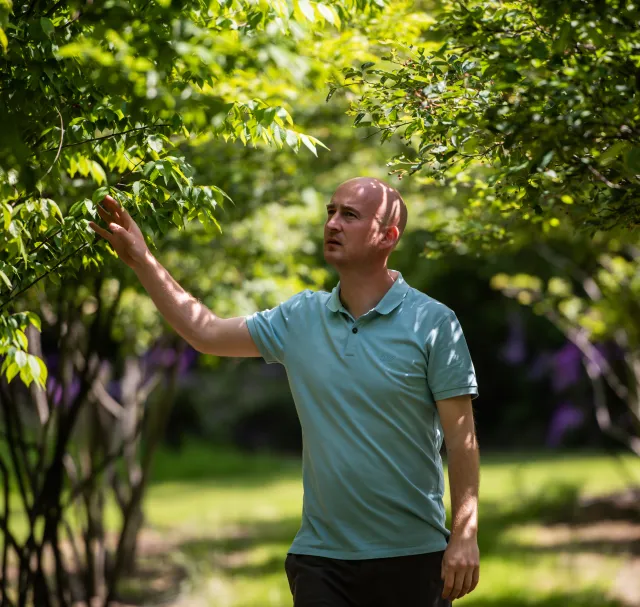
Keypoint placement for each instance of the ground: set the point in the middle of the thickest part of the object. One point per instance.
(557, 533)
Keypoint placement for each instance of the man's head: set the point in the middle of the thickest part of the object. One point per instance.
(365, 220)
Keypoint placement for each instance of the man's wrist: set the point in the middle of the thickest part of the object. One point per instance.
(469, 532)
(143, 264)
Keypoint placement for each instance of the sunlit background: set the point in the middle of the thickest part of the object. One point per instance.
(151, 474)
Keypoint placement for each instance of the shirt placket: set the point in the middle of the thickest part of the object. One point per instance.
(355, 326)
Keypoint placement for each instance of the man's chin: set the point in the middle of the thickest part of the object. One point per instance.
(332, 257)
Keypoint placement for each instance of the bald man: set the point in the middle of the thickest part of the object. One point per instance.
(381, 376)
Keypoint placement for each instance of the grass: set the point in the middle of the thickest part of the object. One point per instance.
(227, 520)
(233, 518)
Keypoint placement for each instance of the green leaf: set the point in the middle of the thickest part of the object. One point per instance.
(12, 371)
(47, 26)
(44, 372)
(155, 143)
(546, 159)
(6, 211)
(34, 366)
(307, 10)
(97, 172)
(20, 358)
(35, 320)
(22, 339)
(91, 209)
(326, 12)
(632, 160)
(6, 280)
(99, 195)
(3, 40)
(308, 143)
(612, 152)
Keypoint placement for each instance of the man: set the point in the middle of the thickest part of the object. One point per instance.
(379, 373)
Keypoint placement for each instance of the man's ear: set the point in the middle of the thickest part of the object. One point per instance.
(391, 235)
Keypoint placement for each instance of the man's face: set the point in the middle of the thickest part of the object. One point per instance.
(352, 231)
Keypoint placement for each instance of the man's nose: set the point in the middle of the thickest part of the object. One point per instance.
(332, 222)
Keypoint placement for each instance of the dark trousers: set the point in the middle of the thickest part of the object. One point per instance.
(400, 581)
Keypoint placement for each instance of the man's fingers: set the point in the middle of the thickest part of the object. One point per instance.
(98, 230)
(449, 576)
(106, 216)
(475, 578)
(457, 585)
(114, 207)
(466, 583)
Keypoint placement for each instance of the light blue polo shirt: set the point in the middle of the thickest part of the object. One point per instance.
(365, 393)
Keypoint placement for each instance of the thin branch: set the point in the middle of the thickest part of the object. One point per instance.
(599, 175)
(580, 339)
(5, 529)
(603, 416)
(96, 470)
(43, 275)
(59, 146)
(142, 128)
(54, 8)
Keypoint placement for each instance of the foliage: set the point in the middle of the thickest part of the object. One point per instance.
(592, 303)
(157, 137)
(97, 97)
(528, 111)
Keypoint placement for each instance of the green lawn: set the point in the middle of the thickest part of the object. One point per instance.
(232, 518)
(227, 520)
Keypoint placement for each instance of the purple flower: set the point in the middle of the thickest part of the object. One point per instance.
(567, 367)
(55, 391)
(514, 350)
(565, 417)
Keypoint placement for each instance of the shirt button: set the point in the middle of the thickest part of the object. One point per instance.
(354, 330)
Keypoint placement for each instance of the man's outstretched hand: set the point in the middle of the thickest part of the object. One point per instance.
(125, 235)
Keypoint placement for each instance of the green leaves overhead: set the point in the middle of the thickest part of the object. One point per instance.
(105, 97)
(528, 111)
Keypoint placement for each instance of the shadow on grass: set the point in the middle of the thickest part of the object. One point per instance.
(228, 551)
(221, 466)
(234, 550)
(560, 599)
(552, 505)
(555, 505)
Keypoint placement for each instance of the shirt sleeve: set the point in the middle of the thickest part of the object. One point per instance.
(270, 328)
(450, 371)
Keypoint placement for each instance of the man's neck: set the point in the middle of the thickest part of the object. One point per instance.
(361, 291)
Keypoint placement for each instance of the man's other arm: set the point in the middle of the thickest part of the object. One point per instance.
(461, 563)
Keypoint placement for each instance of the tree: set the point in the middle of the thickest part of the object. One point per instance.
(594, 302)
(163, 82)
(528, 112)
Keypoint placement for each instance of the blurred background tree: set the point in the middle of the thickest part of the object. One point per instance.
(128, 99)
(176, 111)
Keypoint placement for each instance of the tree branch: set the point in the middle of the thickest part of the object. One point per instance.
(59, 146)
(142, 128)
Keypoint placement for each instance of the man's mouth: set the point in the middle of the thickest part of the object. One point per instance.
(333, 241)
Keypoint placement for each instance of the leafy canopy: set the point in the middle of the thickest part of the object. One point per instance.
(101, 97)
(528, 110)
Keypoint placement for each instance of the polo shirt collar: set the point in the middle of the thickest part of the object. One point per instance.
(391, 300)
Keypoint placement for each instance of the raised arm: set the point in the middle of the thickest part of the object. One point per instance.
(190, 318)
